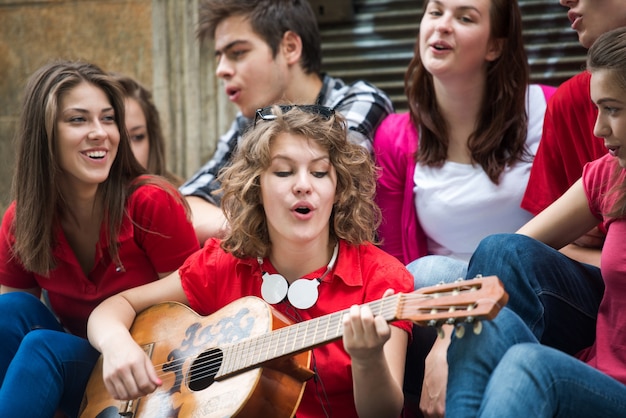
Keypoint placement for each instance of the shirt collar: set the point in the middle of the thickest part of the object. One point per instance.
(347, 268)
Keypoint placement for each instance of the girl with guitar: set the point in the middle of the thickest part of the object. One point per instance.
(558, 349)
(299, 199)
(85, 224)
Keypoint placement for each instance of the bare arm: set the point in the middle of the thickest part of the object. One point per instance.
(433, 396)
(378, 353)
(583, 254)
(127, 370)
(588, 248)
(564, 221)
(208, 220)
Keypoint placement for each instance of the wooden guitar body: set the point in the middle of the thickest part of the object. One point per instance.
(177, 340)
(248, 360)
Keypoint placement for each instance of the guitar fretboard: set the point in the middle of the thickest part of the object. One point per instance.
(296, 338)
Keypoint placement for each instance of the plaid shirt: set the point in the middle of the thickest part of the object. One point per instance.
(363, 105)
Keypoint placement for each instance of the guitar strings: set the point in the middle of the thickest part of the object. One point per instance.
(280, 334)
(320, 390)
(211, 364)
(264, 340)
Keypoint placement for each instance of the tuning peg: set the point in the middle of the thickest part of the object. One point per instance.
(478, 327)
(459, 330)
(440, 333)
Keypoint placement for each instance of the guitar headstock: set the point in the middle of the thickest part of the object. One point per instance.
(451, 303)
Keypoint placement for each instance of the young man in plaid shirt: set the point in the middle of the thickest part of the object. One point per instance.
(269, 52)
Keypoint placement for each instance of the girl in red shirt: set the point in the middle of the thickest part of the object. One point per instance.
(85, 224)
(299, 200)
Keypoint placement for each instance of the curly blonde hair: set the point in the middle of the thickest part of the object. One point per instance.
(355, 216)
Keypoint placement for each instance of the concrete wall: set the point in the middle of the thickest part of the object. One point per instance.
(114, 34)
(152, 40)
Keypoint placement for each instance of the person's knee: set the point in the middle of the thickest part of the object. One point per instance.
(19, 309)
(499, 243)
(504, 255)
(495, 338)
(524, 356)
(21, 312)
(40, 342)
(17, 301)
(520, 364)
(514, 381)
(434, 269)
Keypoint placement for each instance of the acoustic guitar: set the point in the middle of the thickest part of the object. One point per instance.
(248, 360)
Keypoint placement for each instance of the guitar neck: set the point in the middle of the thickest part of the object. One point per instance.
(296, 338)
(467, 300)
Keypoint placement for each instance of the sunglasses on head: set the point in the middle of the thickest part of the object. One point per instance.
(266, 113)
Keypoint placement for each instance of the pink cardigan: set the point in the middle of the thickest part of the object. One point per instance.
(395, 143)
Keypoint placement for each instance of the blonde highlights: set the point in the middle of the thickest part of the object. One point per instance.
(355, 216)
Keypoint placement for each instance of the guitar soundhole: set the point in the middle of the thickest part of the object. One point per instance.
(204, 368)
(111, 412)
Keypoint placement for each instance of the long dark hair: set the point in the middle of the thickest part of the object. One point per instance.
(157, 163)
(500, 135)
(36, 191)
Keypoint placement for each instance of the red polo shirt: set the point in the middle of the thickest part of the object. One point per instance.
(213, 278)
(155, 238)
(567, 144)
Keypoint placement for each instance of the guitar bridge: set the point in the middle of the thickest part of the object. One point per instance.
(129, 408)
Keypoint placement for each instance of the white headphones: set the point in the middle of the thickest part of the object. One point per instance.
(302, 293)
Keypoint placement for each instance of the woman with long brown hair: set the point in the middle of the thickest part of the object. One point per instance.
(85, 224)
(454, 168)
(144, 128)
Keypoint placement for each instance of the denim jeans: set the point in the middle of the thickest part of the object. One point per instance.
(553, 300)
(42, 368)
(427, 271)
(434, 269)
(504, 372)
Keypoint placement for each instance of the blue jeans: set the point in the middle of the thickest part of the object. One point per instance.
(434, 269)
(427, 271)
(505, 373)
(42, 368)
(553, 300)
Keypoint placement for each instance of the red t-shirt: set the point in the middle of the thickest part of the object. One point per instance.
(608, 353)
(213, 278)
(159, 241)
(567, 144)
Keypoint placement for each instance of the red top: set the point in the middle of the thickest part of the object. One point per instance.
(567, 144)
(213, 278)
(143, 254)
(608, 353)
